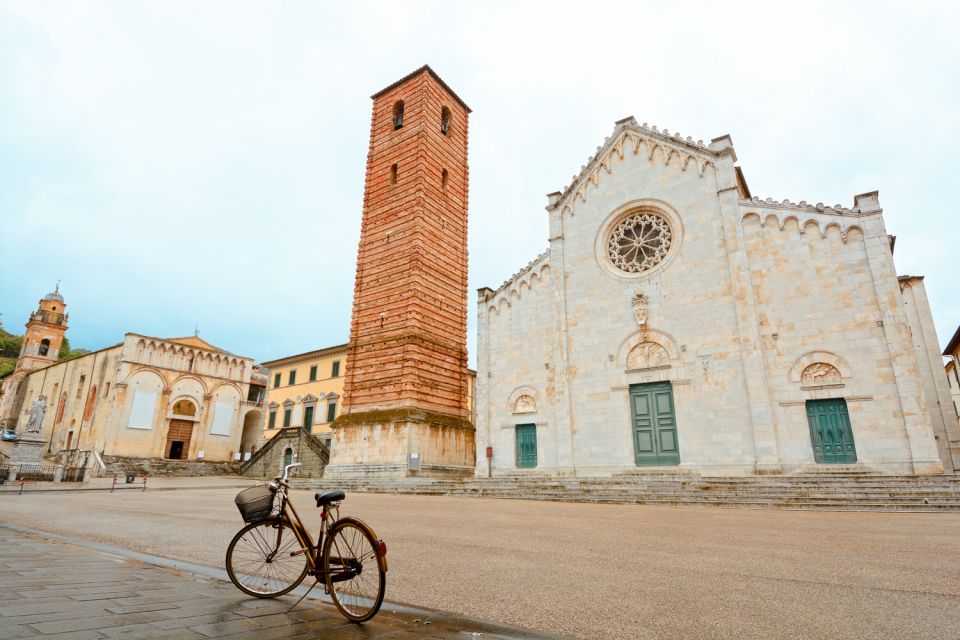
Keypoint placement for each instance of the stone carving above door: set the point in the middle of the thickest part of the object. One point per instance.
(820, 373)
(525, 404)
(647, 355)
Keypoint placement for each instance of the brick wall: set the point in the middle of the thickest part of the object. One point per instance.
(408, 330)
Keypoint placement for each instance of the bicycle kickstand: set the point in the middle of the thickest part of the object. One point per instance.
(316, 581)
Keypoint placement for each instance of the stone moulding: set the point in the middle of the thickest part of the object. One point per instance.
(628, 134)
(821, 224)
(648, 334)
(537, 269)
(813, 357)
(401, 414)
(519, 392)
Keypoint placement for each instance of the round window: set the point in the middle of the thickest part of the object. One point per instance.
(639, 242)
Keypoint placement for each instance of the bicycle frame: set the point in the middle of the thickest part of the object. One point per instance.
(329, 516)
(289, 515)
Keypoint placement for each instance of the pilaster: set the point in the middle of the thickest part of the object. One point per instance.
(896, 330)
(767, 455)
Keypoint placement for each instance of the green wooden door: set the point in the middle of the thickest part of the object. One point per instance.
(654, 424)
(830, 431)
(526, 446)
(308, 418)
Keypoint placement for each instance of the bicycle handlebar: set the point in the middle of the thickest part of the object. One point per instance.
(286, 469)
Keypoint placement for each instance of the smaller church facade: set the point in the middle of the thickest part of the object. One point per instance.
(678, 322)
(175, 399)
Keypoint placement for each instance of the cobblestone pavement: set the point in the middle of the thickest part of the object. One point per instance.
(54, 589)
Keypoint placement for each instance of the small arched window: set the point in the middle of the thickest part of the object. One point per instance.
(444, 120)
(44, 347)
(398, 115)
(443, 179)
(393, 174)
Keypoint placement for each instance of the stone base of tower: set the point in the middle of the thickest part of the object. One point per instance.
(382, 444)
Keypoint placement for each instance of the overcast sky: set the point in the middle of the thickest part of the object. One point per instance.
(200, 164)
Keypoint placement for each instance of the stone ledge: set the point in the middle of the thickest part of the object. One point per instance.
(401, 414)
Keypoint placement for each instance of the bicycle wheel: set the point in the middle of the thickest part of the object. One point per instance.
(259, 560)
(355, 569)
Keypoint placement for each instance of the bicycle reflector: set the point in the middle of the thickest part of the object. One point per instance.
(383, 547)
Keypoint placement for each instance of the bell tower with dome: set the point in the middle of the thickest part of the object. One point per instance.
(44, 336)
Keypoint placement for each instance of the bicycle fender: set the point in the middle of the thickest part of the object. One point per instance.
(381, 558)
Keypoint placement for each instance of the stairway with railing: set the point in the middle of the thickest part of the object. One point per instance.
(303, 446)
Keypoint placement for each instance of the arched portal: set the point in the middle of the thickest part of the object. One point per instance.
(288, 457)
(252, 427)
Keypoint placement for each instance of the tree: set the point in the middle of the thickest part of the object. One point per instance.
(10, 345)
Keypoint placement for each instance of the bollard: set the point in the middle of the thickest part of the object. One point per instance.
(144, 483)
(21, 486)
(114, 483)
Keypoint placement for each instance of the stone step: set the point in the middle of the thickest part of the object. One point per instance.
(841, 491)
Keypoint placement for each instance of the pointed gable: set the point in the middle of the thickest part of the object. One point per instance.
(630, 136)
(197, 343)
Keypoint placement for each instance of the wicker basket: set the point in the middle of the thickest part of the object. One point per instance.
(256, 503)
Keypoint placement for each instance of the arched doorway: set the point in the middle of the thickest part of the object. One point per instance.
(288, 457)
(180, 431)
(252, 428)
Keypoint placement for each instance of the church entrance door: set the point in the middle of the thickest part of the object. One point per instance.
(178, 439)
(654, 424)
(830, 431)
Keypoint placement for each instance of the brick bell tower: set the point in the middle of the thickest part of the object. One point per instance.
(405, 407)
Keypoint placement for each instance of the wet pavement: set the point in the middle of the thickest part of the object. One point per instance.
(58, 587)
(604, 572)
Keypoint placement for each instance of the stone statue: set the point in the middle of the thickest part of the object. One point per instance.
(37, 411)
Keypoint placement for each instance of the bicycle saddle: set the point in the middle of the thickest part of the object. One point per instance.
(326, 497)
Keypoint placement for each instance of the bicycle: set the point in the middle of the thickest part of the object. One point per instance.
(272, 554)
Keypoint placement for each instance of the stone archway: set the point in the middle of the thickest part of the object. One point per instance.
(180, 431)
(252, 429)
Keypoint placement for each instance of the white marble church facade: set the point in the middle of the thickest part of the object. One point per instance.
(675, 321)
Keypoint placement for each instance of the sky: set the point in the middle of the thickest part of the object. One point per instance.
(198, 166)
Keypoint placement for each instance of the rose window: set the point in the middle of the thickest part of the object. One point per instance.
(639, 242)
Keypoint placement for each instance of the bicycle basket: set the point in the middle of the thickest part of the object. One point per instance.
(255, 503)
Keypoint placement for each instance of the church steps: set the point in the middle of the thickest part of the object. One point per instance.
(855, 491)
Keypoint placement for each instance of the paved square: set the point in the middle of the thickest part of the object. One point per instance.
(53, 589)
(586, 570)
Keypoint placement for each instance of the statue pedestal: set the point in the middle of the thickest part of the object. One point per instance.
(28, 449)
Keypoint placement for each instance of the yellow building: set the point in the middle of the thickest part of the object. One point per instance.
(304, 390)
(953, 370)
